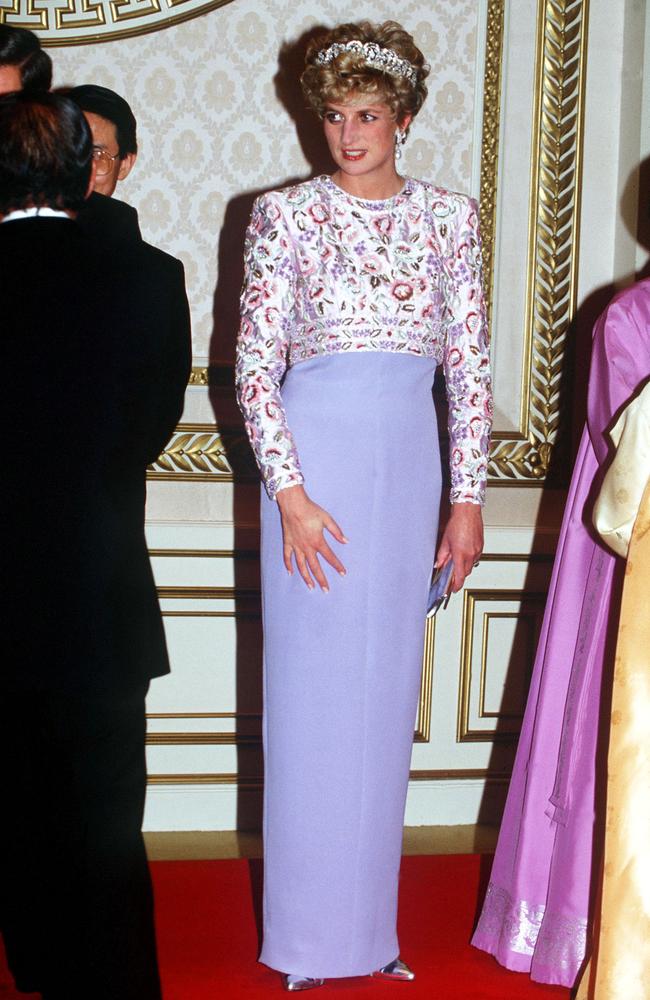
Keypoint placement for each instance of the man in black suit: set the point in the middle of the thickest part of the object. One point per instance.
(115, 148)
(95, 359)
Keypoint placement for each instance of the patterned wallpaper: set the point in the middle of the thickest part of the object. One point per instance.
(220, 118)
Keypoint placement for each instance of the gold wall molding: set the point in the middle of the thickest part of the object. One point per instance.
(490, 140)
(423, 721)
(246, 601)
(205, 553)
(201, 593)
(254, 554)
(204, 739)
(532, 619)
(558, 120)
(250, 598)
(526, 557)
(194, 451)
(200, 377)
(83, 22)
(199, 452)
(530, 610)
(254, 782)
(243, 781)
(461, 774)
(204, 715)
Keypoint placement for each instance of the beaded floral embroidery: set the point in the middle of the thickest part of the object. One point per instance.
(327, 273)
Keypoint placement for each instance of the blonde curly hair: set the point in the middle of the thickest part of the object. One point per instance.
(348, 74)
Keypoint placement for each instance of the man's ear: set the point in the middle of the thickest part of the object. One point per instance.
(126, 165)
(93, 177)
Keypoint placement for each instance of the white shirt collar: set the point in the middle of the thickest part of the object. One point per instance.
(36, 212)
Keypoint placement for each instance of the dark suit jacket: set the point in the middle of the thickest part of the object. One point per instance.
(95, 359)
(109, 217)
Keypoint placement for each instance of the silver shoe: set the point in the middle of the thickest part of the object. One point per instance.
(397, 970)
(295, 983)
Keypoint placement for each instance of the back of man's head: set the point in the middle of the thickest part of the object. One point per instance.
(21, 49)
(107, 104)
(45, 152)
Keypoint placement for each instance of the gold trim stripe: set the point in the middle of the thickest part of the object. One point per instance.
(423, 723)
(490, 141)
(207, 593)
(204, 739)
(205, 553)
(249, 782)
(242, 780)
(204, 715)
(254, 554)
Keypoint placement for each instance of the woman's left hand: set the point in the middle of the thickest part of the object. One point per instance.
(462, 541)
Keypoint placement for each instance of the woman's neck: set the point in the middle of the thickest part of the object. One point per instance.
(371, 187)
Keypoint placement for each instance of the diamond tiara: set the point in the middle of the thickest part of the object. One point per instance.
(374, 55)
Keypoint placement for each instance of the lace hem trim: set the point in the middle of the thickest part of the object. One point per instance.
(552, 940)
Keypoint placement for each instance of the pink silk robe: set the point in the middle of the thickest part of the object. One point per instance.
(536, 911)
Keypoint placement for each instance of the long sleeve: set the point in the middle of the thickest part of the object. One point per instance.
(267, 313)
(466, 363)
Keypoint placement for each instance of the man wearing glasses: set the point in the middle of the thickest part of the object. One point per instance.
(113, 128)
(115, 149)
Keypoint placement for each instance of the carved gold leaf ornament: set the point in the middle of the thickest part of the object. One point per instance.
(490, 140)
(194, 451)
(199, 376)
(553, 236)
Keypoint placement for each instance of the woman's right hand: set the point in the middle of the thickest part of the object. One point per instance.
(303, 523)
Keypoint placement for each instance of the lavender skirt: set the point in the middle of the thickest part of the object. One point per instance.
(342, 669)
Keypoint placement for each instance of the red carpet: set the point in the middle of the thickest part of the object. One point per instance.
(207, 914)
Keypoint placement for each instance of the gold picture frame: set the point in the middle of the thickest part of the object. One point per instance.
(521, 457)
(518, 457)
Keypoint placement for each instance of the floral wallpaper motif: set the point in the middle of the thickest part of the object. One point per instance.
(215, 127)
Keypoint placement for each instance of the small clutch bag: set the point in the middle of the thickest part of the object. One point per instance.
(439, 591)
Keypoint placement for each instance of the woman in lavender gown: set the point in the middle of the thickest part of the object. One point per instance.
(357, 286)
(536, 911)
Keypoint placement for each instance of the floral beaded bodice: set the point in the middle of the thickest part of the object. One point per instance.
(327, 273)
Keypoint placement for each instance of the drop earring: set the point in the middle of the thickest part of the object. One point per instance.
(400, 139)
